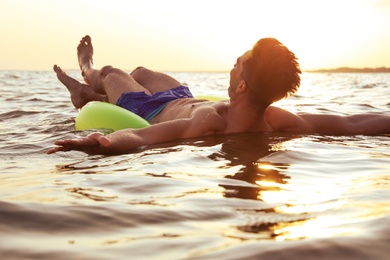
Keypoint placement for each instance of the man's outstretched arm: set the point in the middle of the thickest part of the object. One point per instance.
(97, 143)
(122, 141)
(360, 124)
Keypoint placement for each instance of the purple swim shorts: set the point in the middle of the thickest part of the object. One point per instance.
(147, 106)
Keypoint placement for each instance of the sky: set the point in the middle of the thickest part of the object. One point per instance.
(192, 35)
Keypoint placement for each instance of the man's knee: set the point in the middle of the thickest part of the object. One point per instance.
(141, 72)
(139, 69)
(108, 70)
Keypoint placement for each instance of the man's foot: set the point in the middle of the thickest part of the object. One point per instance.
(85, 53)
(80, 94)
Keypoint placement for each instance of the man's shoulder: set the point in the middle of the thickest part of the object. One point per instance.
(283, 120)
(273, 112)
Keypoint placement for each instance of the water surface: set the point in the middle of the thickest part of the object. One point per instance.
(259, 196)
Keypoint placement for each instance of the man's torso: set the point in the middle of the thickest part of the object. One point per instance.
(185, 108)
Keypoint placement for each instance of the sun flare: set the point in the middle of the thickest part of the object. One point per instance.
(194, 35)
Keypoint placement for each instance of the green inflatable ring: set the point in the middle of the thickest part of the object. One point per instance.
(211, 98)
(101, 115)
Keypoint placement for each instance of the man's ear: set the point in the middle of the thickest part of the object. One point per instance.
(242, 87)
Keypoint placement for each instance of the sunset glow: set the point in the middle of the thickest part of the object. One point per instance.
(201, 35)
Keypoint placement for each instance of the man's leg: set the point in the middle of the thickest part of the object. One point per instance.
(80, 94)
(147, 79)
(111, 81)
(154, 81)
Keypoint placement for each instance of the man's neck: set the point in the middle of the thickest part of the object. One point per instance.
(247, 117)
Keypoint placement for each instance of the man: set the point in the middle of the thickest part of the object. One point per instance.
(265, 74)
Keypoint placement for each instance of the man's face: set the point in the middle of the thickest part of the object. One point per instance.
(236, 71)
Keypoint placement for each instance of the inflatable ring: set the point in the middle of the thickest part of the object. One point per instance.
(211, 98)
(101, 115)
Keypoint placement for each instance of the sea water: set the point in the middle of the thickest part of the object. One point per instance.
(247, 196)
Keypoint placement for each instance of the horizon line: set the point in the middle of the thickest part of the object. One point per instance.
(336, 69)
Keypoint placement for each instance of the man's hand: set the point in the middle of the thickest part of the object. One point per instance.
(95, 143)
(122, 141)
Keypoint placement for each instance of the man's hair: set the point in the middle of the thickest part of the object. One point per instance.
(271, 71)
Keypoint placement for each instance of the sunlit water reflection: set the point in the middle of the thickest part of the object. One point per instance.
(264, 196)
